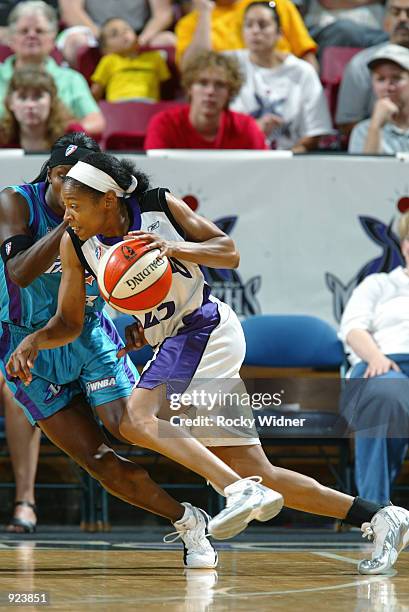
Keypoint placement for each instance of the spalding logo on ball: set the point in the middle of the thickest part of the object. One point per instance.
(133, 278)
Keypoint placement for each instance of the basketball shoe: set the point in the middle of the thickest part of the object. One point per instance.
(389, 529)
(247, 499)
(192, 530)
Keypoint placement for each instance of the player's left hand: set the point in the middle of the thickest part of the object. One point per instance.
(22, 360)
(153, 241)
(134, 339)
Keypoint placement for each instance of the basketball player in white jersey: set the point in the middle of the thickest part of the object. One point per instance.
(196, 336)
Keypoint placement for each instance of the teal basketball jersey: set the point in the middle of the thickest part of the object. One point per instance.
(33, 306)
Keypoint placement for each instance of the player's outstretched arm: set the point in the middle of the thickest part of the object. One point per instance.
(65, 326)
(205, 244)
(25, 259)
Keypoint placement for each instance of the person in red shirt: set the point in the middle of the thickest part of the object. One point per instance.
(211, 81)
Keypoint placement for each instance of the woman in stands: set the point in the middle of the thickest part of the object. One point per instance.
(34, 117)
(282, 92)
(199, 337)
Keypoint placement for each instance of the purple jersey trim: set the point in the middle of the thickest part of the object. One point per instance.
(20, 395)
(4, 340)
(14, 298)
(178, 357)
(24, 399)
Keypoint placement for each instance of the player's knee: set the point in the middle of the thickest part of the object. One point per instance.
(138, 428)
(100, 462)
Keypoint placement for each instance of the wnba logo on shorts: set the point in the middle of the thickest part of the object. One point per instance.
(103, 383)
(53, 391)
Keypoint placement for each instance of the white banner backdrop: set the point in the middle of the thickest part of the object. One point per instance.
(308, 228)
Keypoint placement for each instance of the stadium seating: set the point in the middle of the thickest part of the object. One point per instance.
(6, 51)
(333, 63)
(126, 123)
(303, 355)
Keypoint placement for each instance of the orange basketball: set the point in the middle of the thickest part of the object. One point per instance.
(133, 278)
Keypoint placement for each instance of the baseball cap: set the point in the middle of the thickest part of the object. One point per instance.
(391, 53)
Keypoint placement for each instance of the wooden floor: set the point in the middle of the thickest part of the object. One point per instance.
(250, 577)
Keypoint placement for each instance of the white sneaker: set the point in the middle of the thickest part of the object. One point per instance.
(192, 530)
(390, 531)
(247, 499)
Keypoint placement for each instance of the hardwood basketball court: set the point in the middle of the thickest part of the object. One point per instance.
(115, 572)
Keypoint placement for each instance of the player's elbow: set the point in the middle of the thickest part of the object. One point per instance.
(235, 259)
(19, 279)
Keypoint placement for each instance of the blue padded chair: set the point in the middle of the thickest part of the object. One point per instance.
(139, 358)
(311, 346)
(291, 341)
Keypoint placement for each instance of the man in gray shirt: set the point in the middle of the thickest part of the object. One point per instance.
(387, 130)
(355, 99)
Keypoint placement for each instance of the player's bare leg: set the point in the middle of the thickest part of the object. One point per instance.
(299, 491)
(388, 526)
(246, 499)
(75, 431)
(141, 425)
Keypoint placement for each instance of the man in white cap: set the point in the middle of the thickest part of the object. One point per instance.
(355, 97)
(387, 129)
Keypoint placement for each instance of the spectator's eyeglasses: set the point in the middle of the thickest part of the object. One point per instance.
(38, 31)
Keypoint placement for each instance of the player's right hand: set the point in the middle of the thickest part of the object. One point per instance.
(134, 339)
(22, 360)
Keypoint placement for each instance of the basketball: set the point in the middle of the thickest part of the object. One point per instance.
(133, 278)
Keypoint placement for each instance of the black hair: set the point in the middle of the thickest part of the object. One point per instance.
(121, 170)
(101, 38)
(75, 138)
(272, 6)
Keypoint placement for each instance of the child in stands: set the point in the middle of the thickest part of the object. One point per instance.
(125, 72)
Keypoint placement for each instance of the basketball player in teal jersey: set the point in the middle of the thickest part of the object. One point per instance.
(204, 340)
(66, 382)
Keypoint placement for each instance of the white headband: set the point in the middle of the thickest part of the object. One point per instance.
(99, 180)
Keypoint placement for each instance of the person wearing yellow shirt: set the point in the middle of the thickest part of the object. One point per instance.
(125, 73)
(218, 26)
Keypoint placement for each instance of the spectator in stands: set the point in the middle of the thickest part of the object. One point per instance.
(345, 23)
(125, 73)
(387, 130)
(33, 26)
(218, 26)
(281, 91)
(355, 99)
(151, 20)
(23, 441)
(375, 330)
(6, 6)
(211, 81)
(34, 117)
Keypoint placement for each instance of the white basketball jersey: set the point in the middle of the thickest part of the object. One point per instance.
(188, 291)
